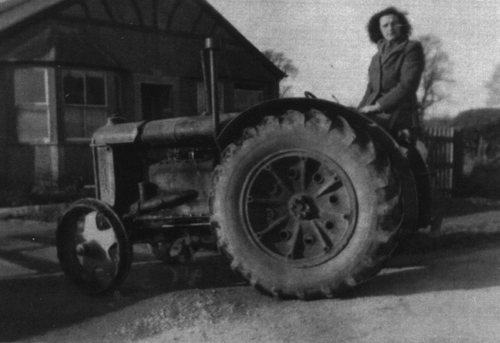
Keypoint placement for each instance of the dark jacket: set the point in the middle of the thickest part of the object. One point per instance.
(394, 76)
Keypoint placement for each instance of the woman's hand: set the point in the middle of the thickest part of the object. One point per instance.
(371, 108)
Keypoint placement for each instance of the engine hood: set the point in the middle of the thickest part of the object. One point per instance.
(117, 133)
(179, 131)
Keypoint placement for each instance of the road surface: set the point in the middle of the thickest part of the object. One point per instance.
(435, 289)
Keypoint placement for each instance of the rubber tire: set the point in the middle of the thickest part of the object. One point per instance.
(377, 197)
(67, 241)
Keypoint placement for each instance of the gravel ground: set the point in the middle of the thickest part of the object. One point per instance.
(439, 287)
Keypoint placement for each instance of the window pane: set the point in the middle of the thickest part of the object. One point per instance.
(94, 119)
(32, 125)
(96, 94)
(73, 122)
(244, 98)
(30, 86)
(73, 88)
(85, 97)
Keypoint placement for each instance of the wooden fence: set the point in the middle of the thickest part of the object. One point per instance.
(445, 159)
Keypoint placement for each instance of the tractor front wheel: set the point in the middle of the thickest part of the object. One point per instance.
(93, 247)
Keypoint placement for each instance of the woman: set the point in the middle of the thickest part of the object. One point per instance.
(394, 73)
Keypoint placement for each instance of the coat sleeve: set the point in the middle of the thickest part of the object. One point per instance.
(369, 87)
(411, 71)
(365, 97)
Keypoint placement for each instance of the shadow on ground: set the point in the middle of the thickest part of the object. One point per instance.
(449, 207)
(37, 304)
(35, 297)
(34, 305)
(423, 264)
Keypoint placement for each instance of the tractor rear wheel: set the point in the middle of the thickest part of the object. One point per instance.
(304, 206)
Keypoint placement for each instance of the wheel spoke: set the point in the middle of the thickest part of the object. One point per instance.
(290, 246)
(330, 186)
(92, 233)
(297, 174)
(323, 234)
(278, 179)
(302, 171)
(272, 226)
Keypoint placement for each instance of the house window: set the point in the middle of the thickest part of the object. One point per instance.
(30, 90)
(85, 105)
(202, 98)
(245, 97)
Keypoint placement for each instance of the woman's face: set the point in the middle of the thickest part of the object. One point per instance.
(390, 27)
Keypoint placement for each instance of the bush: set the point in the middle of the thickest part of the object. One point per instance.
(482, 181)
(14, 198)
(66, 192)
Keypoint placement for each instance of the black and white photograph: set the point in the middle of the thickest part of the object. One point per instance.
(236, 171)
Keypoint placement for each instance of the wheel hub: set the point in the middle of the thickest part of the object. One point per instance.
(300, 207)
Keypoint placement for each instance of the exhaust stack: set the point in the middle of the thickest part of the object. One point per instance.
(211, 82)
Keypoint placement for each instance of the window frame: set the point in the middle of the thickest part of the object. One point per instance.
(33, 106)
(85, 96)
(84, 107)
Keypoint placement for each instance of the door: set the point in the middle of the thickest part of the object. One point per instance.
(156, 101)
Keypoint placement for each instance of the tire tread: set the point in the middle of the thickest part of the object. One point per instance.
(388, 193)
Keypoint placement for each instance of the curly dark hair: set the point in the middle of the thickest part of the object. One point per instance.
(373, 26)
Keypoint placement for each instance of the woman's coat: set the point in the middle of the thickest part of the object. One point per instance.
(394, 76)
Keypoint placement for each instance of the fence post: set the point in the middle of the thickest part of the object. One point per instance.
(446, 155)
(458, 159)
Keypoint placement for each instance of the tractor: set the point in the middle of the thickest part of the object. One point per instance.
(305, 197)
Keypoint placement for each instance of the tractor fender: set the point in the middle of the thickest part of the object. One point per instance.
(254, 115)
(421, 174)
(398, 156)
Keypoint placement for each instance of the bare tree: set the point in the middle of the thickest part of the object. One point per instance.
(493, 87)
(437, 72)
(285, 64)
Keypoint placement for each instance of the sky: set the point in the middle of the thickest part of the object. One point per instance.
(328, 42)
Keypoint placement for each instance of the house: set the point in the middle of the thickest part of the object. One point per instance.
(68, 65)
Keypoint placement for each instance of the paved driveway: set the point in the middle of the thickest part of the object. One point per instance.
(27, 249)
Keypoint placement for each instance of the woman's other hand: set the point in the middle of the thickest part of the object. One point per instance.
(371, 108)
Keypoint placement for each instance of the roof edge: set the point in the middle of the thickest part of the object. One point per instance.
(15, 11)
(238, 35)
